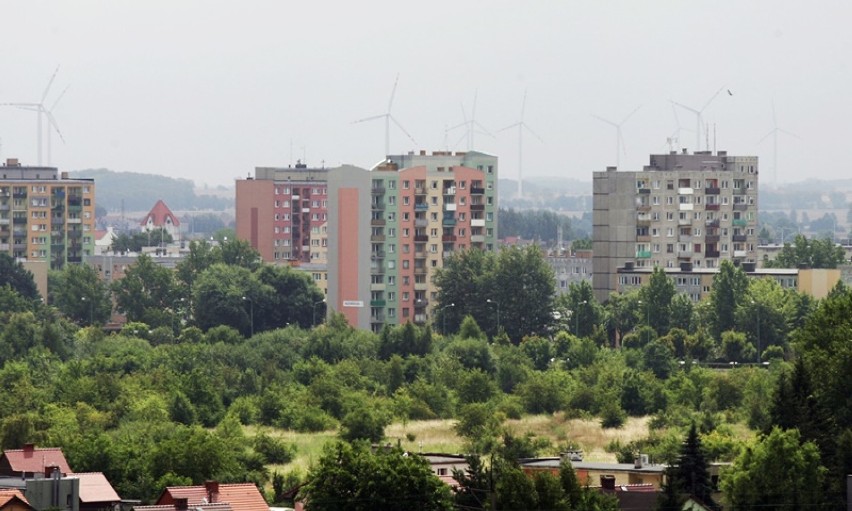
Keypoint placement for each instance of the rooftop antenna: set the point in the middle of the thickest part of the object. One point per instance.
(40, 111)
(774, 132)
(521, 125)
(699, 115)
(388, 117)
(619, 139)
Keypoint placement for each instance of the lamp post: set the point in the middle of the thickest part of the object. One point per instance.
(444, 317)
(757, 313)
(251, 313)
(91, 310)
(495, 302)
(315, 311)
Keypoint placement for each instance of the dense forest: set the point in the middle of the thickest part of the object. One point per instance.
(758, 371)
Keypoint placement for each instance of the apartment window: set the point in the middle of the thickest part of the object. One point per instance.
(405, 296)
(669, 200)
(491, 169)
(489, 216)
(656, 200)
(405, 217)
(405, 201)
(405, 184)
(405, 232)
(391, 280)
(392, 216)
(406, 248)
(433, 216)
(392, 232)
(405, 264)
(434, 185)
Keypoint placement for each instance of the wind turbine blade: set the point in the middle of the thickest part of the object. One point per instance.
(621, 142)
(524, 125)
(523, 106)
(464, 124)
(393, 93)
(509, 126)
(685, 107)
(630, 115)
(767, 135)
(782, 130)
(32, 108)
(398, 125)
(371, 118)
(52, 122)
(677, 119)
(712, 98)
(484, 129)
(49, 83)
(61, 94)
(604, 120)
(459, 141)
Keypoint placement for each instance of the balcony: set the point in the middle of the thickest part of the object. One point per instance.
(377, 206)
(477, 238)
(421, 238)
(421, 222)
(376, 255)
(643, 191)
(5, 247)
(377, 318)
(475, 190)
(75, 259)
(378, 303)
(643, 223)
(739, 222)
(420, 270)
(711, 190)
(74, 220)
(686, 207)
(740, 206)
(711, 207)
(711, 253)
(19, 221)
(477, 222)
(420, 254)
(75, 201)
(420, 319)
(420, 286)
(684, 221)
(685, 191)
(711, 238)
(421, 206)
(377, 237)
(643, 254)
(377, 270)
(19, 195)
(449, 221)
(739, 191)
(448, 238)
(739, 253)
(4, 207)
(477, 207)
(421, 303)
(712, 223)
(377, 190)
(739, 238)
(684, 239)
(450, 191)
(4, 221)
(377, 221)
(643, 207)
(643, 238)
(419, 190)
(684, 254)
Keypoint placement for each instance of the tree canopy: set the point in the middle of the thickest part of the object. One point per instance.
(808, 253)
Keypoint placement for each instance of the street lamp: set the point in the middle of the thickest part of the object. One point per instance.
(91, 310)
(251, 314)
(315, 311)
(444, 317)
(495, 302)
(757, 313)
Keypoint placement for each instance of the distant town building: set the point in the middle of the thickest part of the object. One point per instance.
(44, 215)
(570, 268)
(686, 211)
(161, 217)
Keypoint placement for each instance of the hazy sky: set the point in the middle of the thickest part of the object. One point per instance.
(208, 90)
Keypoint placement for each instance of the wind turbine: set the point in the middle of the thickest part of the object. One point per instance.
(40, 111)
(388, 117)
(521, 125)
(699, 115)
(471, 125)
(619, 139)
(774, 132)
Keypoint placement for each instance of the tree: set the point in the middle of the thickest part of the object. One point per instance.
(146, 290)
(352, 477)
(690, 475)
(510, 291)
(621, 315)
(729, 292)
(80, 294)
(809, 253)
(363, 424)
(582, 313)
(656, 298)
(292, 301)
(227, 295)
(777, 472)
(20, 279)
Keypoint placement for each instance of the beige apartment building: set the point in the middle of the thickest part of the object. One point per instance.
(682, 211)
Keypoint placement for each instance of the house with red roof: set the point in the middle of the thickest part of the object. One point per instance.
(14, 500)
(211, 496)
(32, 461)
(96, 493)
(161, 217)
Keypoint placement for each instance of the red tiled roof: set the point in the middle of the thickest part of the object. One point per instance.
(94, 487)
(241, 496)
(218, 506)
(7, 496)
(158, 215)
(36, 459)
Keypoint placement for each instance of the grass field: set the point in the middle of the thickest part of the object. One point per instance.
(438, 436)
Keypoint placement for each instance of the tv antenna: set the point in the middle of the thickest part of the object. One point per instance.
(699, 115)
(774, 132)
(619, 139)
(521, 125)
(388, 117)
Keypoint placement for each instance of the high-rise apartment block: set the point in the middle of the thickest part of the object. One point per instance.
(44, 215)
(373, 238)
(681, 211)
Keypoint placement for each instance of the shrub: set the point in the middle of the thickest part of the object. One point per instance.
(274, 450)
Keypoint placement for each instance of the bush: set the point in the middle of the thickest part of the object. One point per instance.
(312, 419)
(273, 450)
(363, 423)
(612, 416)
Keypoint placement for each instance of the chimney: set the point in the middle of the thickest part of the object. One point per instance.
(29, 448)
(51, 471)
(685, 151)
(608, 482)
(212, 488)
(182, 504)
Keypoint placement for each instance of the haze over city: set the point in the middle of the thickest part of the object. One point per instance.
(209, 90)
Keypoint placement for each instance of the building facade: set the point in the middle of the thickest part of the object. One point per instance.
(45, 216)
(684, 211)
(390, 228)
